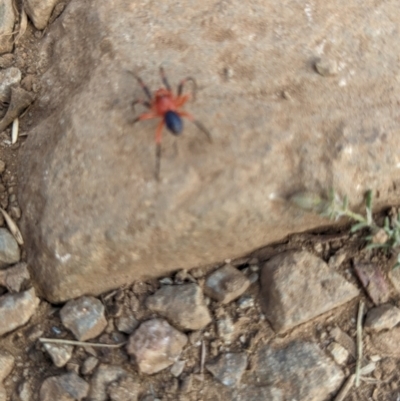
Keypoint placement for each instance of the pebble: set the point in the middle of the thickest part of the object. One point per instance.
(245, 302)
(155, 345)
(39, 11)
(177, 368)
(339, 353)
(2, 169)
(84, 317)
(7, 26)
(67, 387)
(291, 365)
(59, 354)
(183, 305)
(226, 284)
(102, 378)
(382, 317)
(25, 391)
(7, 362)
(15, 277)
(89, 365)
(226, 329)
(127, 389)
(127, 324)
(9, 249)
(17, 309)
(6, 60)
(386, 343)
(310, 280)
(8, 77)
(228, 368)
(326, 67)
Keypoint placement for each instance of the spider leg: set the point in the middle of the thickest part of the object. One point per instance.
(181, 100)
(164, 79)
(145, 88)
(145, 116)
(141, 101)
(182, 84)
(158, 148)
(197, 123)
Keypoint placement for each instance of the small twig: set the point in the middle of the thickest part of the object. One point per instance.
(80, 343)
(346, 388)
(14, 131)
(359, 342)
(203, 356)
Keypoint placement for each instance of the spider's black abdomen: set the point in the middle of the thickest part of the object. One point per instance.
(173, 122)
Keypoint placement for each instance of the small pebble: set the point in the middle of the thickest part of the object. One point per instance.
(326, 67)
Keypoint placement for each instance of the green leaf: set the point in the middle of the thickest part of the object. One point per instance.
(358, 226)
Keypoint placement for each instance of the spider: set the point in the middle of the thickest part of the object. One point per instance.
(166, 105)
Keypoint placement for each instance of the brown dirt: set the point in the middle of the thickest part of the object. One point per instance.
(33, 365)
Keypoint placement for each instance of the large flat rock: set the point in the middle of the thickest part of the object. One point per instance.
(95, 217)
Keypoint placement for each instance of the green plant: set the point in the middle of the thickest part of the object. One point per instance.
(333, 207)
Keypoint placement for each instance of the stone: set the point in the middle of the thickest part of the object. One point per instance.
(292, 276)
(226, 284)
(7, 20)
(339, 353)
(226, 329)
(84, 317)
(155, 345)
(344, 340)
(289, 366)
(67, 387)
(373, 281)
(386, 343)
(25, 391)
(228, 368)
(17, 309)
(39, 11)
(262, 150)
(127, 389)
(326, 67)
(59, 354)
(177, 368)
(6, 60)
(101, 380)
(9, 249)
(15, 278)
(89, 365)
(382, 317)
(127, 324)
(7, 362)
(8, 78)
(183, 305)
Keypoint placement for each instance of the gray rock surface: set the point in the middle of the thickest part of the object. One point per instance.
(298, 286)
(301, 370)
(39, 11)
(228, 368)
(15, 277)
(59, 354)
(382, 317)
(226, 284)
(183, 305)
(9, 249)
(92, 209)
(253, 393)
(67, 387)
(386, 343)
(89, 365)
(8, 77)
(155, 345)
(127, 389)
(102, 378)
(17, 309)
(84, 317)
(7, 362)
(7, 21)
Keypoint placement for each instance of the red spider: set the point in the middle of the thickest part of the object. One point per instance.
(167, 106)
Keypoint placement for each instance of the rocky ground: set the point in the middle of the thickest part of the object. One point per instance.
(284, 323)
